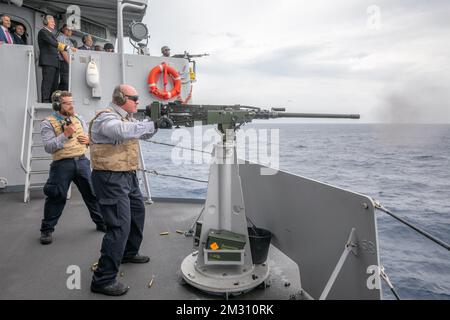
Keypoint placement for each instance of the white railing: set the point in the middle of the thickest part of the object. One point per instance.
(26, 112)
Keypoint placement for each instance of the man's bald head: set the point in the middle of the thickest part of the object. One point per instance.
(128, 90)
(126, 97)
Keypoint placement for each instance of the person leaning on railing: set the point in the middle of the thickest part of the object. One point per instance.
(87, 42)
(19, 33)
(5, 34)
(64, 57)
(108, 47)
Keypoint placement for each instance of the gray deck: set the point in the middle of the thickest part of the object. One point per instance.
(29, 270)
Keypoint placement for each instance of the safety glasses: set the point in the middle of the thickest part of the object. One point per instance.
(134, 98)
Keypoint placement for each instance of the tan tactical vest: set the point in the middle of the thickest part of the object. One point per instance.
(72, 148)
(114, 157)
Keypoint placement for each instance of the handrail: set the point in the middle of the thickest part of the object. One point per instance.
(28, 168)
(443, 244)
(30, 56)
(71, 56)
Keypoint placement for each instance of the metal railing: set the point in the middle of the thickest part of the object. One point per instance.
(26, 112)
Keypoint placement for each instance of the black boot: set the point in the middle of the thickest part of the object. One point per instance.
(46, 237)
(136, 259)
(114, 289)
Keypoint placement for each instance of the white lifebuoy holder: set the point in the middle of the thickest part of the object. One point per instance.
(92, 75)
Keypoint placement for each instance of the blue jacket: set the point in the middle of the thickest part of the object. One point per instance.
(3, 36)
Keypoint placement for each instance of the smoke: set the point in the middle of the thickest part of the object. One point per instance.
(417, 102)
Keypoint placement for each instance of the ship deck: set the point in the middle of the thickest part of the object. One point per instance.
(29, 270)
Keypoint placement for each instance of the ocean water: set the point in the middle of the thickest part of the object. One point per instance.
(406, 167)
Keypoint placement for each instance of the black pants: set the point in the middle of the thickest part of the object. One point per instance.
(63, 76)
(123, 209)
(50, 78)
(62, 172)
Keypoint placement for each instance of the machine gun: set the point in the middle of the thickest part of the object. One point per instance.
(190, 57)
(225, 116)
(225, 207)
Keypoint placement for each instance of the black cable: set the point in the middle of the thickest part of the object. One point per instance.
(422, 232)
(175, 146)
(395, 294)
(154, 172)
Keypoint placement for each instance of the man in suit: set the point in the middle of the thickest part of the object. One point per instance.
(87, 43)
(5, 35)
(49, 49)
(19, 31)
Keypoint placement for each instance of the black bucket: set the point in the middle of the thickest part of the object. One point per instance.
(259, 244)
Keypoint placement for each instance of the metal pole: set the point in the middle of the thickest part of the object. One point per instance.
(144, 175)
(30, 56)
(120, 39)
(120, 7)
(28, 167)
(349, 247)
(71, 55)
(119, 27)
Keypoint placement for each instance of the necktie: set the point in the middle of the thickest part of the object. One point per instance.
(8, 37)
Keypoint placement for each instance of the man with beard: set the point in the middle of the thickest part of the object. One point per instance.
(64, 136)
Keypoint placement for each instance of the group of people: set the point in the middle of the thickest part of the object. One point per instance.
(11, 34)
(54, 51)
(111, 191)
(54, 56)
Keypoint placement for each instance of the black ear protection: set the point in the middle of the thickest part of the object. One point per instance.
(56, 100)
(119, 97)
(45, 21)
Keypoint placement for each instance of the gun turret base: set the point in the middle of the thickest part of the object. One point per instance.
(223, 279)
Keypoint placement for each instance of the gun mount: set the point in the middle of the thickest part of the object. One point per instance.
(225, 116)
(225, 270)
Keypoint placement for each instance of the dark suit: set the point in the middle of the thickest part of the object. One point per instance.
(3, 36)
(49, 61)
(83, 47)
(17, 39)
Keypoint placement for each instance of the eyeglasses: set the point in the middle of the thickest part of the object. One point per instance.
(134, 98)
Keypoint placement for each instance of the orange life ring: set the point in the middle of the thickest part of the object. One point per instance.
(153, 78)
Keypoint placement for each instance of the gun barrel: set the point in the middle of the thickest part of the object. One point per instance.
(318, 115)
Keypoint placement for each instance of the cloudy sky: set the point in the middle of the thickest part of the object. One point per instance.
(388, 60)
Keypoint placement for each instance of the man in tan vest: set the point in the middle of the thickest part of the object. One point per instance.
(64, 135)
(114, 138)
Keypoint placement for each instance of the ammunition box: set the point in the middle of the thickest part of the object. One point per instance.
(224, 256)
(226, 240)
